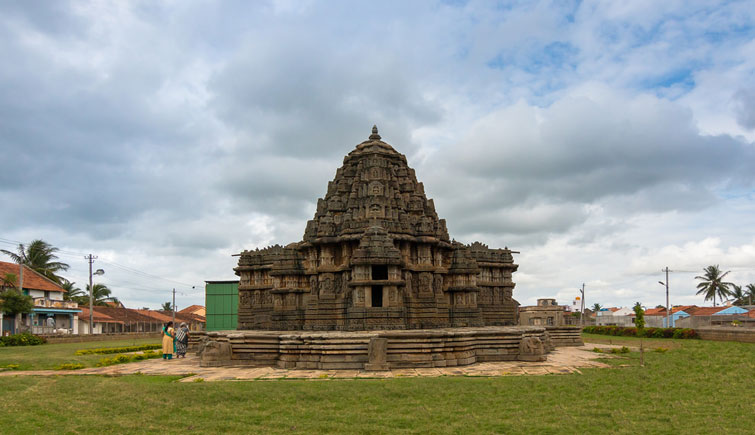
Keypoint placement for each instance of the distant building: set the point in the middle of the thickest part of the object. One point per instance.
(194, 309)
(546, 313)
(51, 314)
(615, 317)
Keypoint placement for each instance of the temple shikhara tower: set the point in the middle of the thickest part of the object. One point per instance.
(375, 257)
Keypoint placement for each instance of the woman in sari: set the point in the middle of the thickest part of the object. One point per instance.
(169, 343)
(182, 340)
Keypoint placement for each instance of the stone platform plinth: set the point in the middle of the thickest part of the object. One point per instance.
(373, 350)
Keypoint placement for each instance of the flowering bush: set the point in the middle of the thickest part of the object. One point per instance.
(682, 333)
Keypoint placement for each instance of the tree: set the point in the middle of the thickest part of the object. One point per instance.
(639, 317)
(40, 257)
(73, 293)
(167, 306)
(750, 293)
(8, 281)
(100, 296)
(14, 302)
(739, 296)
(596, 307)
(712, 284)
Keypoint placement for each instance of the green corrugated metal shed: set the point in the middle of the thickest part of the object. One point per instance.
(222, 302)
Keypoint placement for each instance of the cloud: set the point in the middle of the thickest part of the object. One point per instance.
(632, 154)
(588, 135)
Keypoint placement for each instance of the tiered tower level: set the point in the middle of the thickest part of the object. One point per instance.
(375, 256)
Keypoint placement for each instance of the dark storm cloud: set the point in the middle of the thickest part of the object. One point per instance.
(301, 97)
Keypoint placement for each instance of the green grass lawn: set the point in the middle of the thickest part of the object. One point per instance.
(696, 387)
(50, 356)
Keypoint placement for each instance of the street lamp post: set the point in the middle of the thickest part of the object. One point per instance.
(91, 292)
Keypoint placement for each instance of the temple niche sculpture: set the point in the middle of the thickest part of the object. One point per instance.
(375, 257)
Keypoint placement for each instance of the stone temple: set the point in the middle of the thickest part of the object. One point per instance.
(375, 256)
(376, 284)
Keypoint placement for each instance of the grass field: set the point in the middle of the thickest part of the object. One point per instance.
(696, 387)
(50, 356)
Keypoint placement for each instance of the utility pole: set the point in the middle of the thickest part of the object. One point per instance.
(582, 307)
(21, 290)
(668, 308)
(91, 259)
(174, 307)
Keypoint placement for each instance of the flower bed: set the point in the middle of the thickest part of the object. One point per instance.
(683, 333)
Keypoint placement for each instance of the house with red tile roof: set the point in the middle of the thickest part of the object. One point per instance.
(50, 314)
(199, 310)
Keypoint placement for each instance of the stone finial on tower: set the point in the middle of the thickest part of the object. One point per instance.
(375, 135)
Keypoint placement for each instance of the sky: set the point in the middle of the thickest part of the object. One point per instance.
(603, 140)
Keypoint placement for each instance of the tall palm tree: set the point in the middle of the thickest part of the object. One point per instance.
(100, 296)
(72, 292)
(40, 257)
(740, 297)
(167, 306)
(750, 293)
(596, 307)
(712, 284)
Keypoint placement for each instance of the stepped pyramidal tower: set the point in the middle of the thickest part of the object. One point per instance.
(375, 256)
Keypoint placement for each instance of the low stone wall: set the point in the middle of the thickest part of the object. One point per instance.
(373, 350)
(565, 335)
(745, 335)
(81, 338)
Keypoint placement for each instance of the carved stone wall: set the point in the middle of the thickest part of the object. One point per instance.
(375, 257)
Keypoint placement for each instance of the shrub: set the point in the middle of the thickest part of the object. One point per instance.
(124, 349)
(121, 359)
(680, 333)
(70, 366)
(11, 366)
(24, 339)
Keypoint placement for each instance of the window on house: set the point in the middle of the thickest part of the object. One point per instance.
(379, 272)
(377, 295)
(550, 321)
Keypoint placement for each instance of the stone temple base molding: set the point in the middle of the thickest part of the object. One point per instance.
(376, 350)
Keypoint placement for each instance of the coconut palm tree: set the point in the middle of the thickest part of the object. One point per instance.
(39, 256)
(739, 296)
(712, 284)
(750, 293)
(72, 292)
(167, 306)
(100, 296)
(596, 307)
